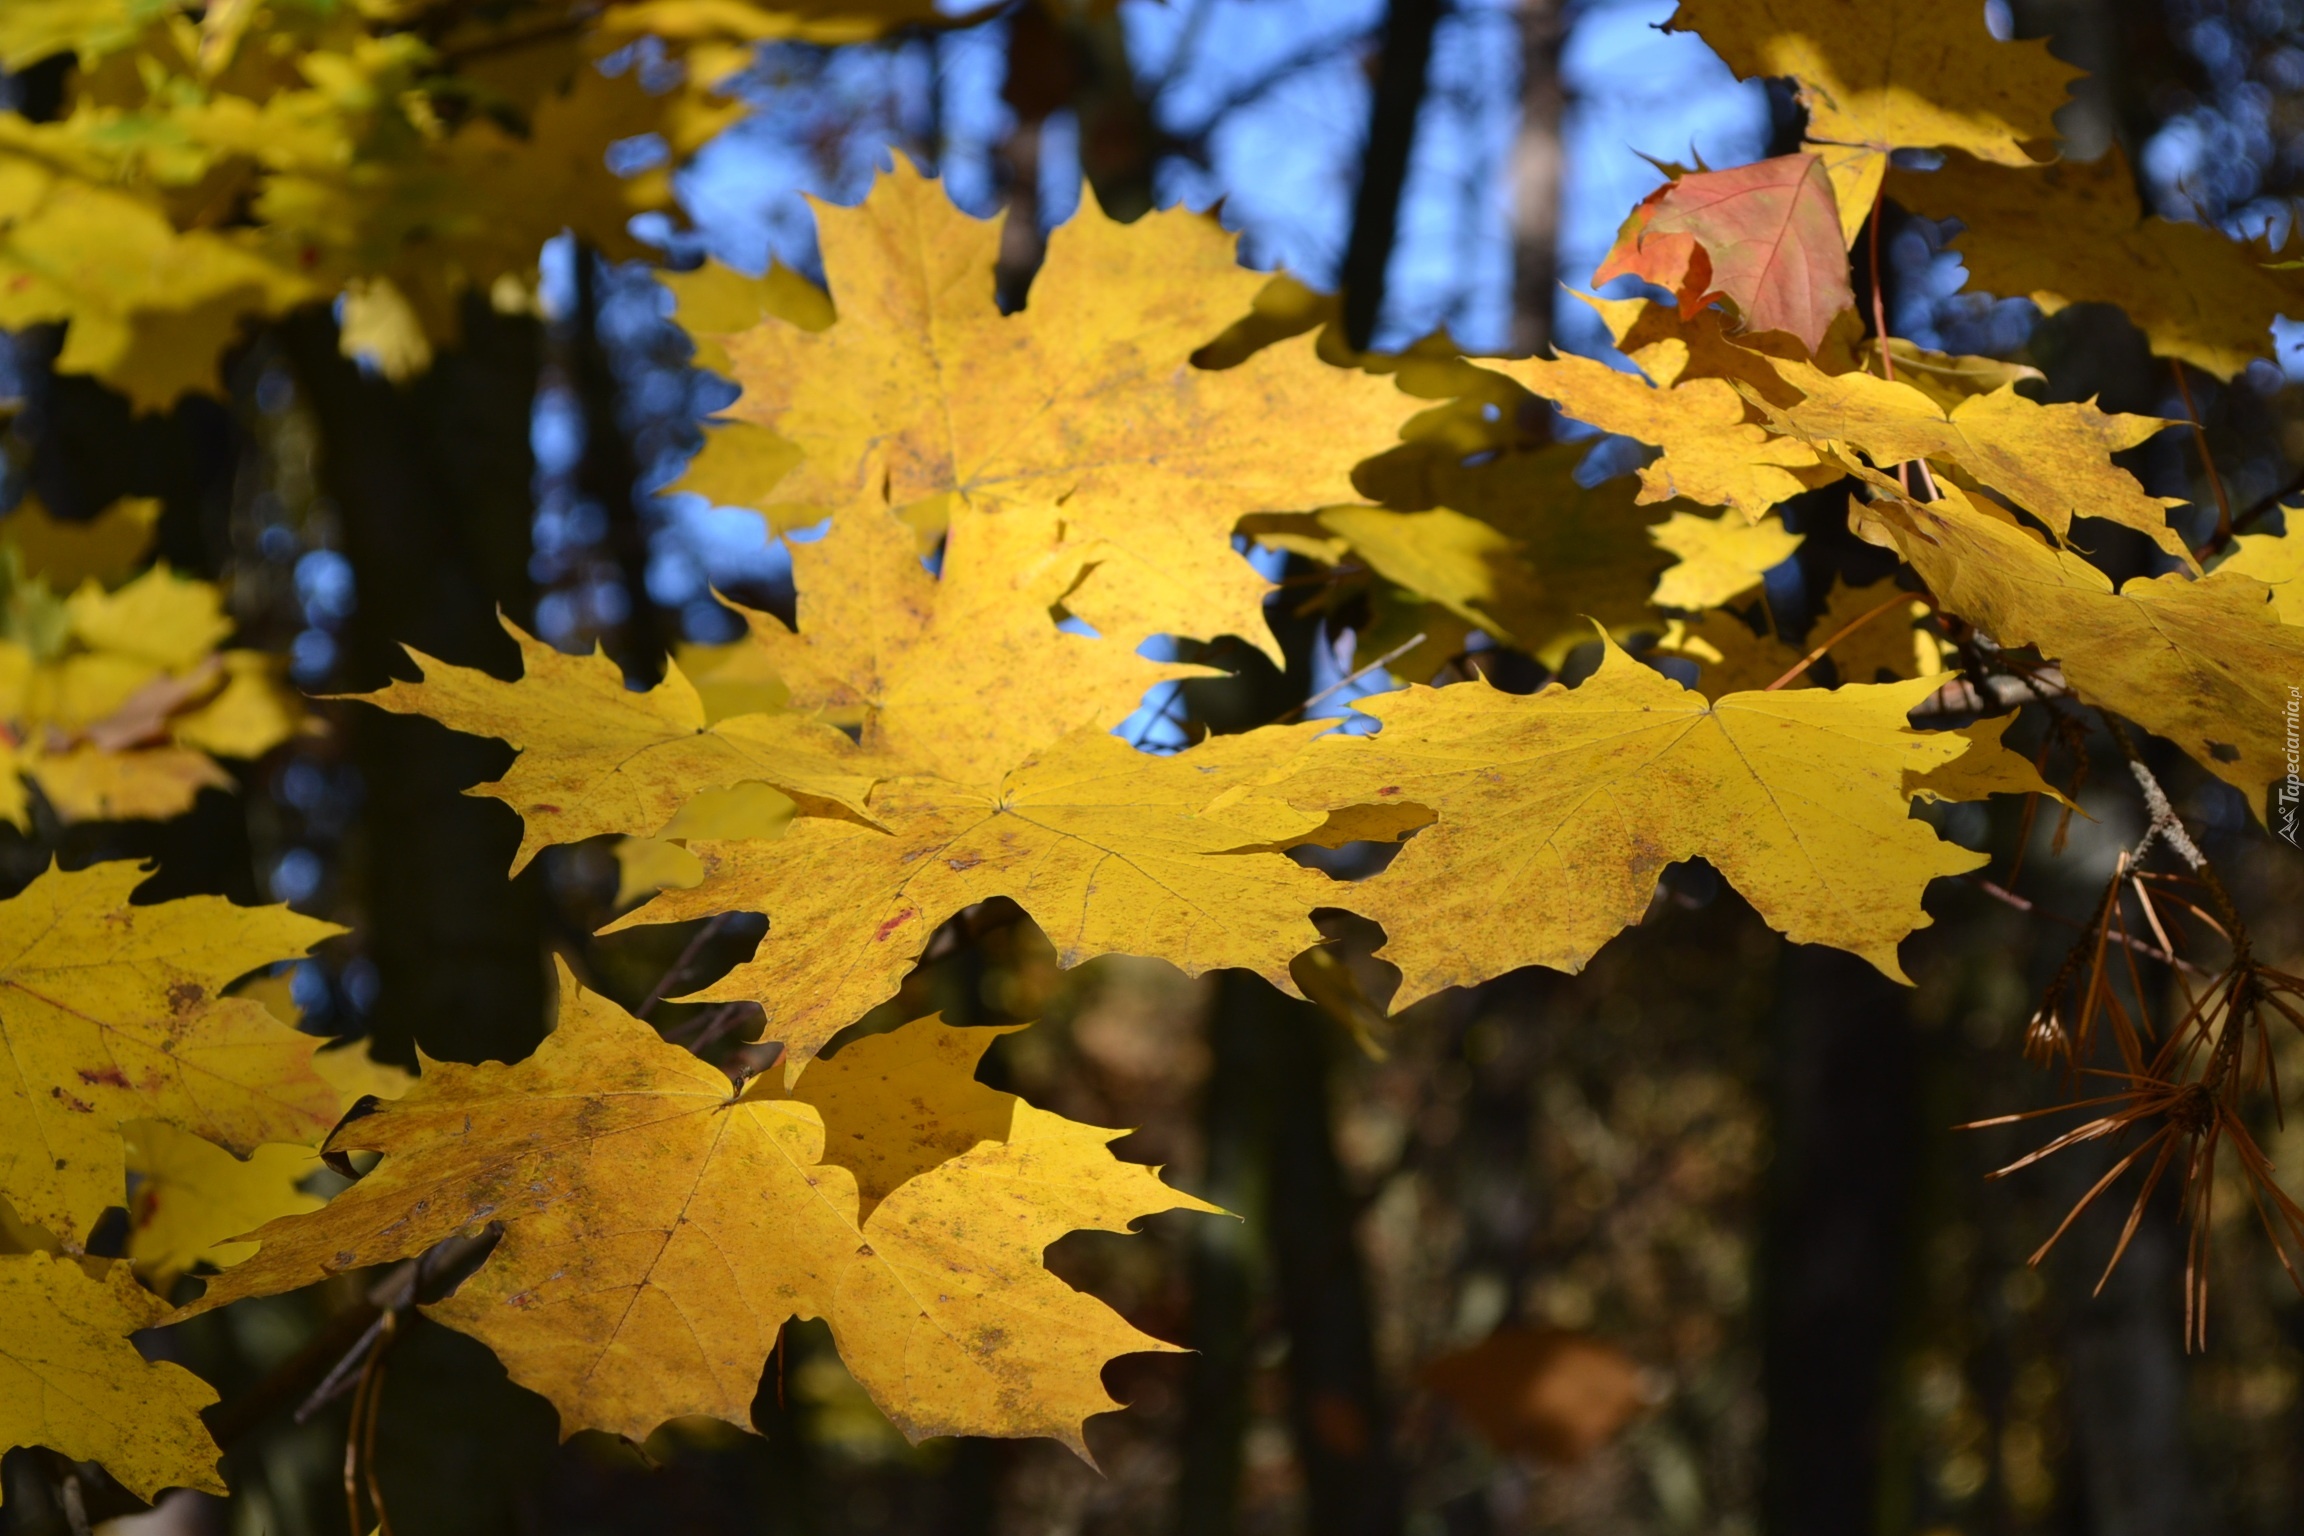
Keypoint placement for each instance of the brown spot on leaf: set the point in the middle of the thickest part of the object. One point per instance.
(892, 924)
(186, 996)
(110, 1076)
(72, 1102)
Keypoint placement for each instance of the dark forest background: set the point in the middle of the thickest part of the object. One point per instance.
(1724, 1167)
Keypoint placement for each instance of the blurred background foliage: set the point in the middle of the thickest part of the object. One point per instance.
(1682, 1244)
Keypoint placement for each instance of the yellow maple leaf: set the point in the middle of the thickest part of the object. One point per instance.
(111, 1013)
(1884, 646)
(646, 865)
(738, 466)
(960, 675)
(88, 783)
(71, 1380)
(660, 1228)
(2194, 292)
(923, 381)
(1893, 74)
(753, 21)
(1109, 849)
(354, 1074)
(190, 1197)
(2054, 461)
(1557, 811)
(251, 714)
(1560, 554)
(2277, 560)
(1941, 376)
(1987, 768)
(715, 301)
(160, 617)
(2203, 661)
(598, 757)
(1714, 452)
(64, 552)
(1721, 558)
(1467, 566)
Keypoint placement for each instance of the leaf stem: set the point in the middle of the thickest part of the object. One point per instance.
(679, 967)
(1845, 630)
(1342, 683)
(2223, 531)
(1880, 333)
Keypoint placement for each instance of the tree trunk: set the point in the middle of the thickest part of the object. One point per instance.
(1535, 169)
(1393, 112)
(610, 476)
(1847, 1149)
(432, 480)
(1271, 1146)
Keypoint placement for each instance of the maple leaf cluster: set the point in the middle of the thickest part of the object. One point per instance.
(218, 164)
(993, 517)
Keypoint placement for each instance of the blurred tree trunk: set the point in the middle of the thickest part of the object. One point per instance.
(610, 476)
(1536, 169)
(1271, 1145)
(1076, 61)
(433, 482)
(1397, 104)
(1847, 1149)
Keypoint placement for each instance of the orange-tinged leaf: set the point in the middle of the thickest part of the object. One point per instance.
(660, 1228)
(1766, 236)
(1086, 398)
(1894, 74)
(111, 1013)
(1558, 810)
(1542, 1391)
(598, 757)
(88, 783)
(1109, 849)
(71, 1380)
(2075, 233)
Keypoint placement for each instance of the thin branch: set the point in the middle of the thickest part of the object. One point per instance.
(1342, 683)
(1845, 630)
(2265, 504)
(1880, 335)
(2207, 459)
(2024, 904)
(679, 968)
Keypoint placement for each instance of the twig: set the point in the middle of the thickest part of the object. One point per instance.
(1342, 683)
(2026, 905)
(396, 1292)
(704, 936)
(1880, 335)
(2207, 460)
(2263, 505)
(1845, 630)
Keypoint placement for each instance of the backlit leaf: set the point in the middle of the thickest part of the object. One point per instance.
(1557, 812)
